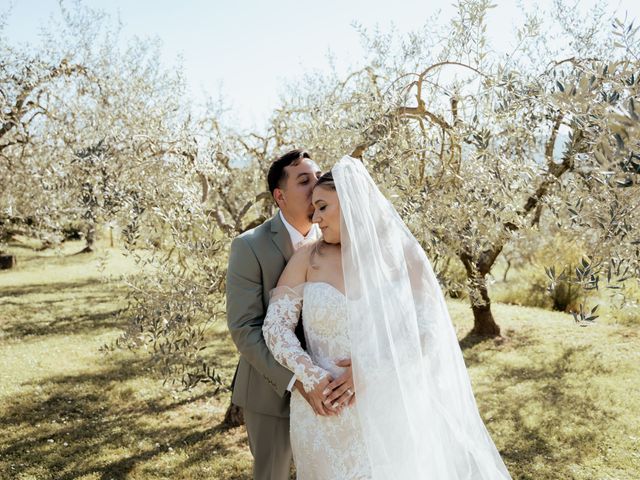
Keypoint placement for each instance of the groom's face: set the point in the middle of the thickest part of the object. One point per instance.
(294, 198)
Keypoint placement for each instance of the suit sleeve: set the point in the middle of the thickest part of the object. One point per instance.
(245, 315)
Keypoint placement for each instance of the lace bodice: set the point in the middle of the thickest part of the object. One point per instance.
(324, 318)
(324, 314)
(323, 446)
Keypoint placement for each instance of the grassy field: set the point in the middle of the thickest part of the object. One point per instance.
(560, 401)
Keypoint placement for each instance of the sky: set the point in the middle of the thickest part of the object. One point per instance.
(248, 49)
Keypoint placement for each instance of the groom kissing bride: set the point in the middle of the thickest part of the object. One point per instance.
(257, 258)
(341, 326)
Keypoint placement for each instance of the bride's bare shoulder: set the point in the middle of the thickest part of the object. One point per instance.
(302, 256)
(296, 270)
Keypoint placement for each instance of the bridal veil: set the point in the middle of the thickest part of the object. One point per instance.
(414, 397)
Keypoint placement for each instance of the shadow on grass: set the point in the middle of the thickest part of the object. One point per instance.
(97, 415)
(41, 310)
(111, 429)
(66, 325)
(49, 288)
(94, 424)
(556, 424)
(470, 340)
(511, 339)
(104, 422)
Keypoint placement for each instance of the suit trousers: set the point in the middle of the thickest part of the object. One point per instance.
(269, 444)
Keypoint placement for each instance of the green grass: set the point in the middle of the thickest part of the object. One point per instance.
(560, 401)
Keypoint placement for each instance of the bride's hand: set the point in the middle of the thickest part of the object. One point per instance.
(315, 398)
(341, 392)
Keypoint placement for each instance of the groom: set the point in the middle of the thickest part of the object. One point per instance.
(261, 386)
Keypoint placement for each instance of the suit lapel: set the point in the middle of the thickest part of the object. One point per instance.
(282, 240)
(280, 237)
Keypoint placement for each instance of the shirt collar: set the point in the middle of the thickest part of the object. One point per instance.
(296, 237)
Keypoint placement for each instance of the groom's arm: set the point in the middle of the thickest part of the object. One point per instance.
(245, 314)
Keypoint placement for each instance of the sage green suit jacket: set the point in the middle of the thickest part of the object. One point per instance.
(256, 259)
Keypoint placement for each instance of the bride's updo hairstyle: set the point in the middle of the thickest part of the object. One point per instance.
(326, 181)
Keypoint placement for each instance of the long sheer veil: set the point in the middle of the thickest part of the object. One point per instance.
(414, 397)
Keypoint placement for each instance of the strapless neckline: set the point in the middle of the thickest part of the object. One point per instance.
(330, 286)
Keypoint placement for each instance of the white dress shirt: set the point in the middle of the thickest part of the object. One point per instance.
(297, 240)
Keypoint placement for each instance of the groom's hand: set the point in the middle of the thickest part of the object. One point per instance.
(315, 397)
(341, 392)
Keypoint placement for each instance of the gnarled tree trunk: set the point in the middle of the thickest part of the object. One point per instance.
(483, 321)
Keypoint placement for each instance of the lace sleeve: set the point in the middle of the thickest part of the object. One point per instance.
(278, 328)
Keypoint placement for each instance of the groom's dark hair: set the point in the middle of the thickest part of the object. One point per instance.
(277, 174)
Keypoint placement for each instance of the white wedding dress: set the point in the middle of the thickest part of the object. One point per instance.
(415, 415)
(324, 447)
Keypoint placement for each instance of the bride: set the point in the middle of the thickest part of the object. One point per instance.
(367, 292)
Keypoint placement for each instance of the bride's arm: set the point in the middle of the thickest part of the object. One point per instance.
(283, 314)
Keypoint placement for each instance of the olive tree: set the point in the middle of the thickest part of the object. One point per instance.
(86, 120)
(474, 146)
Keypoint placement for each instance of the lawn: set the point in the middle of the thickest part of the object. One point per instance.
(560, 401)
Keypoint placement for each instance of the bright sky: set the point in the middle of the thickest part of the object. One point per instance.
(248, 48)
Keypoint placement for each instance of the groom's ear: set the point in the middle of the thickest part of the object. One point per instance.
(278, 196)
